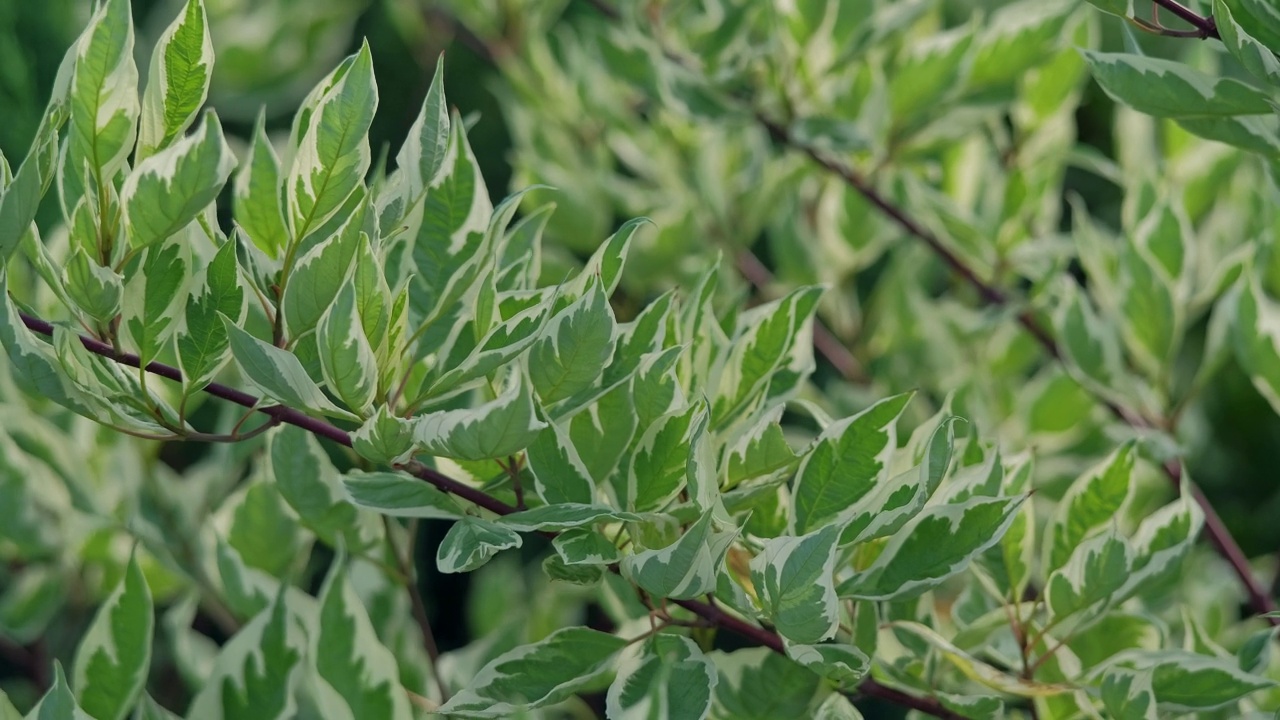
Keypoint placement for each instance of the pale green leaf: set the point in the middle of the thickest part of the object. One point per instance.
(471, 542)
(936, 545)
(575, 348)
(495, 429)
(103, 101)
(256, 673)
(331, 150)
(532, 676)
(384, 438)
(204, 346)
(350, 369)
(793, 581)
(559, 474)
(424, 151)
(1127, 695)
(1184, 682)
(1165, 88)
(170, 188)
(58, 703)
(686, 568)
(1090, 503)
(278, 373)
(563, 516)
(846, 463)
(843, 665)
(114, 656)
(178, 80)
(152, 298)
(350, 658)
(96, 290)
(669, 678)
(399, 495)
(256, 194)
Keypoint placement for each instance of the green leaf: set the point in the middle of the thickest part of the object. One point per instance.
(256, 194)
(1186, 682)
(580, 546)
(331, 144)
(1120, 8)
(20, 201)
(670, 678)
(555, 568)
(170, 188)
(204, 348)
(278, 373)
(930, 71)
(846, 463)
(759, 451)
(1090, 503)
(607, 261)
(659, 461)
(384, 438)
(318, 276)
(602, 432)
(263, 529)
(499, 346)
(894, 501)
(360, 672)
(103, 102)
(493, 430)
(307, 480)
(58, 703)
(350, 369)
(564, 516)
(684, 569)
(764, 338)
(424, 151)
(559, 474)
(32, 363)
(152, 298)
(575, 348)
(793, 581)
(178, 80)
(450, 230)
(1096, 570)
(1256, 57)
(256, 673)
(399, 495)
(96, 290)
(115, 654)
(1089, 345)
(1164, 88)
(536, 675)
(837, 707)
(1256, 338)
(470, 543)
(759, 684)
(1127, 695)
(1017, 37)
(937, 544)
(843, 665)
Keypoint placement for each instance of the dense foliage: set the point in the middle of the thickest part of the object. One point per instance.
(884, 408)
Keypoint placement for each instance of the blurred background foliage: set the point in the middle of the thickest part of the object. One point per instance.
(994, 160)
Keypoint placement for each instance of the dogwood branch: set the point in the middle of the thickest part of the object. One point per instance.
(1218, 533)
(321, 428)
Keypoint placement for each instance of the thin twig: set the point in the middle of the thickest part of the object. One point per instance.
(408, 569)
(1216, 530)
(1205, 25)
(323, 429)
